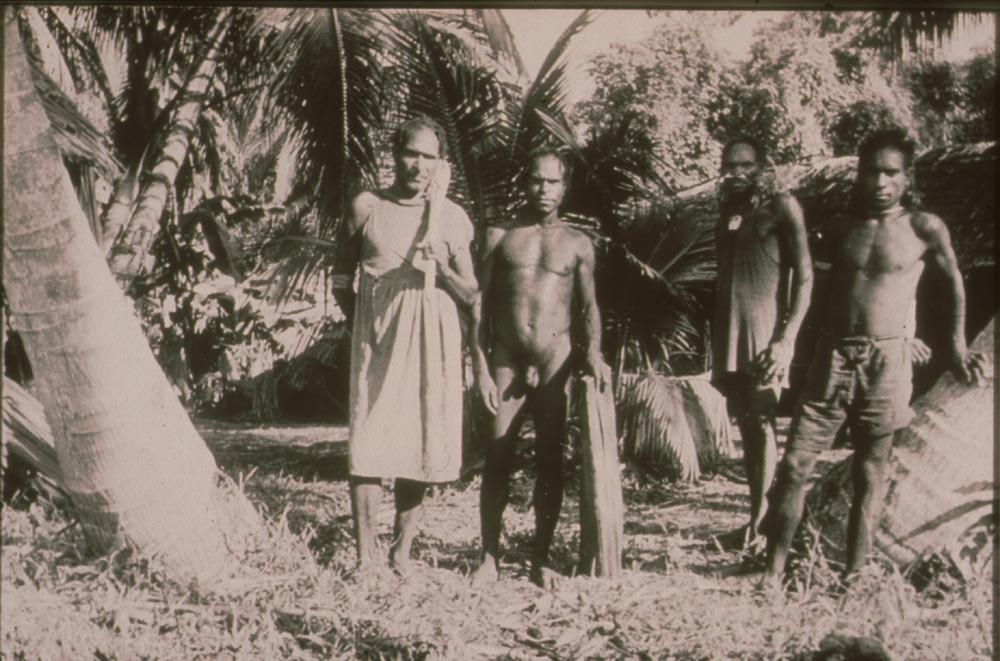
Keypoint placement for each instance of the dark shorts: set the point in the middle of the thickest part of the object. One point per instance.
(863, 381)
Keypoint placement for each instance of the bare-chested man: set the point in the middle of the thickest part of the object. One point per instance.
(762, 293)
(861, 371)
(537, 273)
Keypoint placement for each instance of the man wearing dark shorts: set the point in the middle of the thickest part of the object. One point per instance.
(762, 292)
(861, 371)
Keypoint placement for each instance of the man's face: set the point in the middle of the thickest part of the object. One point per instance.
(883, 179)
(416, 161)
(739, 169)
(545, 184)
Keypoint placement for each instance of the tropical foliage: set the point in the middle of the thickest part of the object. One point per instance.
(299, 104)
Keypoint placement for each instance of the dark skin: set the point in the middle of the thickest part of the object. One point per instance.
(755, 410)
(420, 173)
(877, 265)
(537, 274)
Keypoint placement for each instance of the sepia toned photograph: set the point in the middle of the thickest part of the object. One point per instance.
(478, 332)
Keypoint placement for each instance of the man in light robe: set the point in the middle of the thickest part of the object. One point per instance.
(411, 248)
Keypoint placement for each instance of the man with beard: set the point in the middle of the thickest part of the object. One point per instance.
(537, 275)
(762, 292)
(412, 245)
(861, 369)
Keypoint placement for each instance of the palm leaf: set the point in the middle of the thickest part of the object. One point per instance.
(326, 87)
(439, 75)
(674, 428)
(501, 39)
(657, 437)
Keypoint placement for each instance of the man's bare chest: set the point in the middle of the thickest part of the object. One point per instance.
(549, 250)
(881, 249)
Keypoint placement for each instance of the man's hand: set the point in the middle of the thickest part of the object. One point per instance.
(969, 366)
(920, 353)
(595, 366)
(772, 363)
(487, 387)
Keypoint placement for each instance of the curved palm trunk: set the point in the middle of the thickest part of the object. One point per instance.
(130, 253)
(131, 460)
(941, 486)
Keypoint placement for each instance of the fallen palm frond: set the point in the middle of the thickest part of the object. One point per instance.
(673, 427)
(26, 433)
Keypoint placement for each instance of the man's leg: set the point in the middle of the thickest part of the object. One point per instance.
(869, 469)
(787, 502)
(366, 494)
(409, 496)
(548, 407)
(754, 408)
(499, 463)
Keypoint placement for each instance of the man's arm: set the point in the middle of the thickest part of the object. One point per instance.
(774, 361)
(970, 366)
(348, 253)
(586, 294)
(480, 332)
(456, 273)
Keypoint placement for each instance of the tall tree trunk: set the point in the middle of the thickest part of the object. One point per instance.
(941, 489)
(131, 460)
(130, 253)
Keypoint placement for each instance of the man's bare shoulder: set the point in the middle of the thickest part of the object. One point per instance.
(495, 233)
(577, 236)
(787, 208)
(362, 207)
(928, 226)
(576, 240)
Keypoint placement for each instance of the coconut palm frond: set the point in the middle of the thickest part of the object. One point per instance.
(501, 39)
(327, 84)
(658, 437)
(327, 88)
(897, 32)
(547, 93)
(709, 418)
(440, 76)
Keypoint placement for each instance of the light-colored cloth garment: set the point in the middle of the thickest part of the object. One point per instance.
(406, 351)
(752, 290)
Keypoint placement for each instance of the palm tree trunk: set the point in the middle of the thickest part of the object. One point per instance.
(130, 254)
(941, 488)
(131, 461)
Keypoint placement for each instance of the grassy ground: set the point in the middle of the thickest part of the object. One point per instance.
(681, 596)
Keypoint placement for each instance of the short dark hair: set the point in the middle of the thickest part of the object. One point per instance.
(759, 150)
(893, 137)
(542, 152)
(411, 126)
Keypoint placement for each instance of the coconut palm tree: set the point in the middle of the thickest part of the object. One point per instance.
(131, 461)
(130, 256)
(155, 104)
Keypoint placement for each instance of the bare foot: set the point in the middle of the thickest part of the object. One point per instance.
(366, 567)
(402, 566)
(545, 578)
(485, 573)
(770, 585)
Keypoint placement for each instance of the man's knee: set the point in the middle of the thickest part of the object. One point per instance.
(796, 466)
